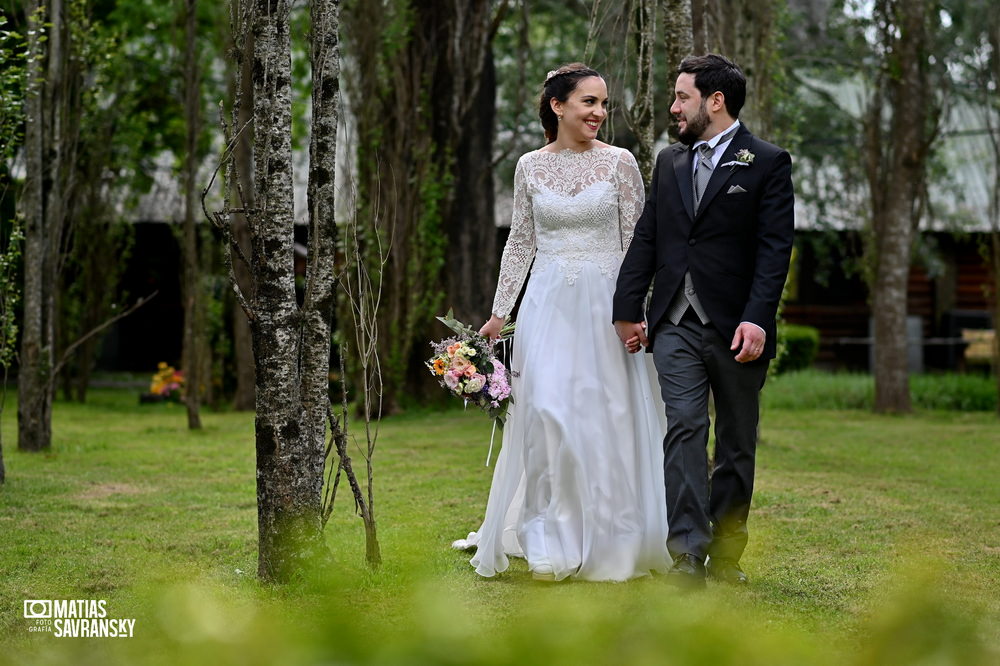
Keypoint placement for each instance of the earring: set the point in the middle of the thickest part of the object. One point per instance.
(559, 117)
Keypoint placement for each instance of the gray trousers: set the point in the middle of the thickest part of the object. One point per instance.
(707, 516)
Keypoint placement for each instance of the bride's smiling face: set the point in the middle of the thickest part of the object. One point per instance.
(584, 111)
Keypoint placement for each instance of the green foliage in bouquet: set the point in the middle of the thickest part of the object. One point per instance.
(465, 330)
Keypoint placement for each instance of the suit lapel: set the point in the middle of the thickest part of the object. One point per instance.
(721, 174)
(682, 172)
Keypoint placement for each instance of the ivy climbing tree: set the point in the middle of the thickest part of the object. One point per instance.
(424, 169)
(46, 147)
(12, 79)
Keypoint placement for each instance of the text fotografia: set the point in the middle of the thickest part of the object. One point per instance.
(76, 618)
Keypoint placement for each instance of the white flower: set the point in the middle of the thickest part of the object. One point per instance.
(475, 384)
(745, 157)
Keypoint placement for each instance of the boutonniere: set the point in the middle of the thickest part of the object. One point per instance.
(743, 158)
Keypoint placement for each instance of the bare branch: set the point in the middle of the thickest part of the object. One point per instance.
(497, 20)
(227, 236)
(221, 219)
(94, 331)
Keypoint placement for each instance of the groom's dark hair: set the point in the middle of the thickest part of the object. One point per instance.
(715, 73)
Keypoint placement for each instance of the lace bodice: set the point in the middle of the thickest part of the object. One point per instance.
(570, 209)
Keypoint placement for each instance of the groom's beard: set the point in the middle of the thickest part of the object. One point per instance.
(695, 127)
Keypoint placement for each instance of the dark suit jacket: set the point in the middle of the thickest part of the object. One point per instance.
(737, 246)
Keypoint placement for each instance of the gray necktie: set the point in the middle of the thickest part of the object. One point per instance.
(703, 173)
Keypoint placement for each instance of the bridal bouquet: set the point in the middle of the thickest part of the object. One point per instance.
(467, 366)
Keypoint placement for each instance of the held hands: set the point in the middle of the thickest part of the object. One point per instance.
(491, 329)
(632, 335)
(749, 339)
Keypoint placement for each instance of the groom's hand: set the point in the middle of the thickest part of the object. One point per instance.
(749, 339)
(632, 335)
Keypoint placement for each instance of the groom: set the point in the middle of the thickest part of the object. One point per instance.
(716, 234)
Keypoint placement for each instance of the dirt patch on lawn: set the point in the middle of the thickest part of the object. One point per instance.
(100, 491)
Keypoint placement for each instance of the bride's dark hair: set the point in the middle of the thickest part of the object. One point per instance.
(559, 84)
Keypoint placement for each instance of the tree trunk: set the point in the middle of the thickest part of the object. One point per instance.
(90, 284)
(745, 32)
(93, 266)
(991, 81)
(93, 259)
(319, 298)
(420, 110)
(243, 400)
(640, 116)
(702, 25)
(678, 36)
(34, 408)
(995, 254)
(289, 459)
(194, 333)
(469, 274)
(88, 350)
(896, 162)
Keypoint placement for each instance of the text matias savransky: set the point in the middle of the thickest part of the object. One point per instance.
(76, 618)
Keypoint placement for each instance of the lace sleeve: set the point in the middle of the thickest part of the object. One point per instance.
(630, 196)
(519, 250)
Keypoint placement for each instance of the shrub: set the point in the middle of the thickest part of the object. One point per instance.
(813, 389)
(799, 345)
(966, 393)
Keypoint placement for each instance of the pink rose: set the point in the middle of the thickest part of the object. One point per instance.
(451, 379)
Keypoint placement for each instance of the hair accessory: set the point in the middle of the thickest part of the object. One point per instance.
(551, 73)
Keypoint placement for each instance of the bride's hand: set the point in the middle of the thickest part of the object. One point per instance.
(491, 329)
(632, 335)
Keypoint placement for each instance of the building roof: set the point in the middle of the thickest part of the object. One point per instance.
(960, 189)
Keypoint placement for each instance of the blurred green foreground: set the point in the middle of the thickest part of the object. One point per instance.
(874, 540)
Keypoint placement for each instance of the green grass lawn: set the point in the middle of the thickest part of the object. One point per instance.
(874, 540)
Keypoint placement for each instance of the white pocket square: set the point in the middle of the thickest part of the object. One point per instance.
(735, 189)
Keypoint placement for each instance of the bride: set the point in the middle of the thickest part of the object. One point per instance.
(578, 486)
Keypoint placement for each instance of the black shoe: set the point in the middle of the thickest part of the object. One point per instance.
(687, 572)
(726, 570)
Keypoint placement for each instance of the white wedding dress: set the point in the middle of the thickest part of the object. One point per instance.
(578, 484)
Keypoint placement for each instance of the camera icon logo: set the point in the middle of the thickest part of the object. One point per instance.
(37, 609)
